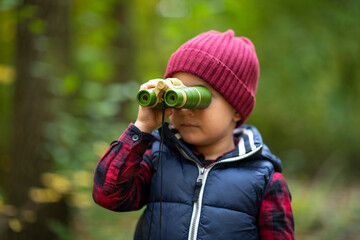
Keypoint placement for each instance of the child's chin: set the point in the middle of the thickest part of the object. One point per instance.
(193, 140)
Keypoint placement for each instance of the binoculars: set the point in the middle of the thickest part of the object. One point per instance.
(174, 94)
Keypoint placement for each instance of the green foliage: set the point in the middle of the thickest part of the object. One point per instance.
(37, 26)
(323, 211)
(8, 4)
(306, 79)
(306, 107)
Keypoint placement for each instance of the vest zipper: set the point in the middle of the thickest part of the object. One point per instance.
(200, 185)
(197, 200)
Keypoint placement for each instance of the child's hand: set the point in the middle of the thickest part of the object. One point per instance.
(150, 118)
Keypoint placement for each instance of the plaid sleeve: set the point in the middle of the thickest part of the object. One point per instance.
(276, 220)
(123, 174)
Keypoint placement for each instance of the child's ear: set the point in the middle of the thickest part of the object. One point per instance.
(236, 117)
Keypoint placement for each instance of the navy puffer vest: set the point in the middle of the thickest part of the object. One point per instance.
(221, 201)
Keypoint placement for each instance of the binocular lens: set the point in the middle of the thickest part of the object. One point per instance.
(174, 98)
(146, 98)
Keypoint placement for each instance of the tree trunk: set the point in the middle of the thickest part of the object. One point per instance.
(42, 24)
(125, 43)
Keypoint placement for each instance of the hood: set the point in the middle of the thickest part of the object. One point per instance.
(250, 144)
(249, 141)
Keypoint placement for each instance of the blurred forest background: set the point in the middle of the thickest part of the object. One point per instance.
(69, 72)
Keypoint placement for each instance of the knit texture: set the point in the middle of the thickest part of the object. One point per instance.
(228, 63)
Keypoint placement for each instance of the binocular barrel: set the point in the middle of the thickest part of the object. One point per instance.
(188, 97)
(179, 97)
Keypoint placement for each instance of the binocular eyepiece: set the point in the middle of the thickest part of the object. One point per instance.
(175, 94)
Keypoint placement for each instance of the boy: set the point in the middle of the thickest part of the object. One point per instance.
(217, 179)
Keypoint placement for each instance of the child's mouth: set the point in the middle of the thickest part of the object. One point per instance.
(188, 125)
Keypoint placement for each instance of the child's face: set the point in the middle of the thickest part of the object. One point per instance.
(206, 129)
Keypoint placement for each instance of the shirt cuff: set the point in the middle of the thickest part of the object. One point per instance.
(133, 136)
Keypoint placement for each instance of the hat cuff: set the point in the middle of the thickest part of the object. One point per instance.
(217, 74)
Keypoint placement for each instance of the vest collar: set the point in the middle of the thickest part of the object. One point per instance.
(250, 145)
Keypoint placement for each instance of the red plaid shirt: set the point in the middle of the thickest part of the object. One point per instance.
(123, 176)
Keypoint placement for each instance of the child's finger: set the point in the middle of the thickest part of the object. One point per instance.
(150, 84)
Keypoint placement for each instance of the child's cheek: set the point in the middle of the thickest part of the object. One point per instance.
(174, 118)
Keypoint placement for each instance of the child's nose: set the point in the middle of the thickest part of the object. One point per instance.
(186, 111)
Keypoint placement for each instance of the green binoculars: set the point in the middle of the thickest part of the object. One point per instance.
(174, 94)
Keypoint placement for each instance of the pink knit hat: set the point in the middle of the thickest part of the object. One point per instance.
(228, 63)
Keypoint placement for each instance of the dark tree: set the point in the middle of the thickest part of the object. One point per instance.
(42, 54)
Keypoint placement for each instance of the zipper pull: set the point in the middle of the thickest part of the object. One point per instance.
(198, 185)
